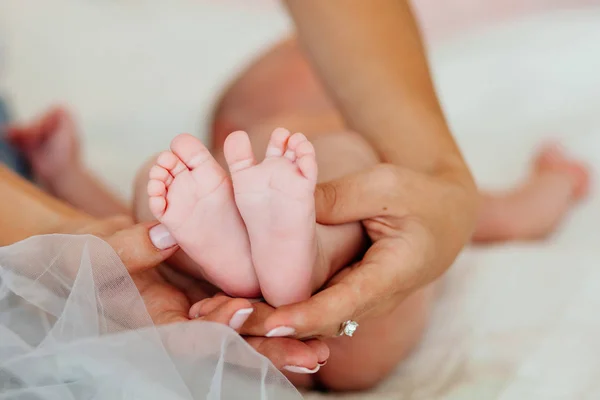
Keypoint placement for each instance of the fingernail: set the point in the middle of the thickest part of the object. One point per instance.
(239, 318)
(324, 363)
(161, 238)
(281, 331)
(301, 370)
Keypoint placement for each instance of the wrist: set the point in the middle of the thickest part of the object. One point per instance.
(462, 197)
(412, 134)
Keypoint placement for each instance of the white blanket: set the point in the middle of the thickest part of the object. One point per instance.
(515, 321)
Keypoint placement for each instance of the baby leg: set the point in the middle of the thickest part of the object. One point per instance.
(51, 145)
(535, 209)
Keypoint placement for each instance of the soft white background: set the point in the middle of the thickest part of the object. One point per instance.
(515, 321)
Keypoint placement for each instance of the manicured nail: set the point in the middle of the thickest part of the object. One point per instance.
(281, 331)
(239, 318)
(301, 370)
(161, 238)
(324, 363)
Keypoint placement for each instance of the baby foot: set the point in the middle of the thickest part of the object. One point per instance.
(193, 197)
(51, 145)
(552, 160)
(276, 201)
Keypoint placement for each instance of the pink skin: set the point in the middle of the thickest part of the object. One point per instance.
(534, 210)
(306, 357)
(269, 246)
(193, 197)
(552, 160)
(50, 143)
(276, 201)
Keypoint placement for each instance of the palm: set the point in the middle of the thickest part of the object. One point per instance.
(165, 303)
(168, 304)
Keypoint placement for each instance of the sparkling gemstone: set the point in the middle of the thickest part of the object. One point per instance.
(350, 327)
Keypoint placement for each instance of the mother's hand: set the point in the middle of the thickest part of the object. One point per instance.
(286, 354)
(169, 294)
(140, 247)
(418, 224)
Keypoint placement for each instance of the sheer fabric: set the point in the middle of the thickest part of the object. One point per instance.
(73, 326)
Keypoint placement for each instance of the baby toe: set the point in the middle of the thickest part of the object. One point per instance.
(277, 143)
(238, 152)
(295, 140)
(190, 150)
(171, 163)
(307, 165)
(305, 148)
(157, 205)
(160, 174)
(156, 188)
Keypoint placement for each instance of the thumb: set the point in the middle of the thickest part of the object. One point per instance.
(143, 246)
(354, 197)
(356, 292)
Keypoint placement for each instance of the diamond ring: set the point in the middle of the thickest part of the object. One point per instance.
(348, 328)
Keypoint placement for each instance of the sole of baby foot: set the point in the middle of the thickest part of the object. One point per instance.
(276, 201)
(192, 196)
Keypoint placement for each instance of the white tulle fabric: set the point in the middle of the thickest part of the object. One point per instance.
(73, 326)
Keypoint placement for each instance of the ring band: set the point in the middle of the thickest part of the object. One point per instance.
(348, 328)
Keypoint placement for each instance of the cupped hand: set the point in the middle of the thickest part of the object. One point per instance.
(418, 223)
(169, 294)
(287, 354)
(140, 247)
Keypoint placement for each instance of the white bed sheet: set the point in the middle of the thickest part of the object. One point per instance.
(515, 321)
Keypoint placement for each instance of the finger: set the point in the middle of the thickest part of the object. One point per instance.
(254, 326)
(366, 286)
(143, 246)
(207, 306)
(231, 312)
(320, 348)
(357, 197)
(208, 302)
(290, 354)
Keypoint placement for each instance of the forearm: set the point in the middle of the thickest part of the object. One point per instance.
(371, 59)
(27, 211)
(84, 191)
